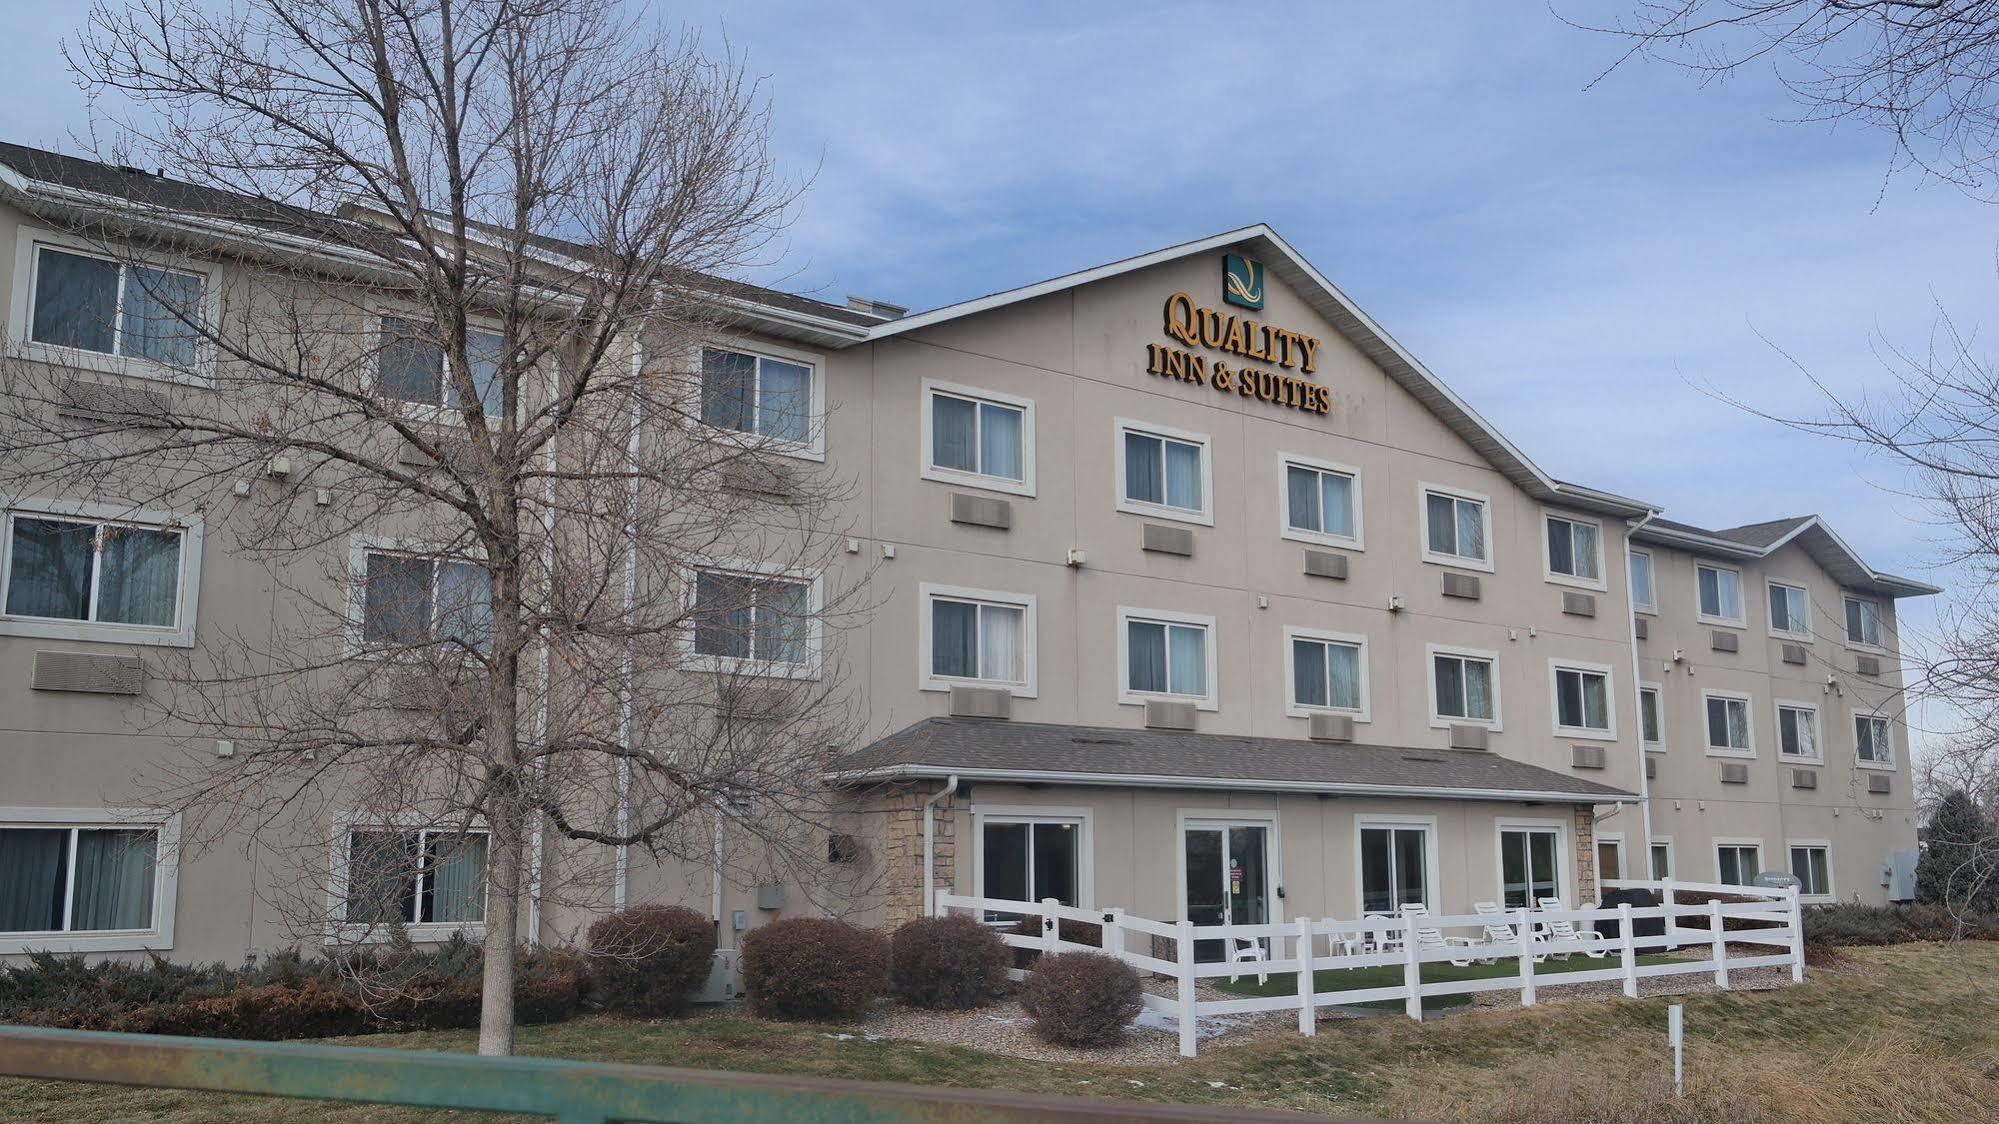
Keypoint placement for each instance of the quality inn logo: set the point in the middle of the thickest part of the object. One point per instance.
(1242, 281)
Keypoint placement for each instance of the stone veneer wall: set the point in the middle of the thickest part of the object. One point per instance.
(1585, 857)
(902, 850)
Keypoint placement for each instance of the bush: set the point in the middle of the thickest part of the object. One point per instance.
(812, 968)
(947, 963)
(1850, 923)
(1082, 999)
(1959, 869)
(650, 960)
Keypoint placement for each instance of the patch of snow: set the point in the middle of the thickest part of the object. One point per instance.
(1210, 1027)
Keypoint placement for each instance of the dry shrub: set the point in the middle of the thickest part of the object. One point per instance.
(650, 959)
(813, 968)
(947, 963)
(1082, 999)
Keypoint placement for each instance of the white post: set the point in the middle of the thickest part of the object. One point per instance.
(1676, 1031)
(1184, 965)
(1627, 946)
(1672, 920)
(1797, 938)
(937, 907)
(1719, 943)
(1308, 1013)
(1051, 927)
(1412, 969)
(1523, 927)
(1114, 933)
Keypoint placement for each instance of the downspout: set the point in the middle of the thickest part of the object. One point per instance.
(930, 844)
(715, 891)
(623, 863)
(1638, 694)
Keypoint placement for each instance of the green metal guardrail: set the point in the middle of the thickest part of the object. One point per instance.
(566, 1091)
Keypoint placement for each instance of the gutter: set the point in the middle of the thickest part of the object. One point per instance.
(930, 843)
(1638, 690)
(1143, 780)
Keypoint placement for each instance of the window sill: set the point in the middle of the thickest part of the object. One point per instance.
(1443, 722)
(1018, 690)
(1655, 747)
(756, 443)
(1732, 754)
(1128, 698)
(1585, 733)
(1720, 622)
(1452, 560)
(726, 665)
(1875, 766)
(1870, 649)
(99, 362)
(1320, 538)
(979, 481)
(1799, 759)
(1597, 585)
(1157, 511)
(1645, 610)
(99, 633)
(1791, 637)
(429, 933)
(1293, 710)
(147, 940)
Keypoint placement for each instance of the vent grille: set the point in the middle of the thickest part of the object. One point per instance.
(1462, 585)
(1880, 783)
(1735, 774)
(1325, 564)
(1586, 756)
(1867, 665)
(1641, 627)
(1470, 737)
(103, 401)
(758, 478)
(1794, 654)
(89, 674)
(1579, 604)
(1332, 728)
(1168, 540)
(981, 511)
(1804, 778)
(981, 702)
(1165, 714)
(1724, 641)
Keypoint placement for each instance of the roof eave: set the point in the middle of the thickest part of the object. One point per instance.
(1233, 784)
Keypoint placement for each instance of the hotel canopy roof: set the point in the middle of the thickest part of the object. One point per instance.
(68, 188)
(1035, 752)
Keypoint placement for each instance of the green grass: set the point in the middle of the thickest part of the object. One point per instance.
(1358, 979)
(1903, 1034)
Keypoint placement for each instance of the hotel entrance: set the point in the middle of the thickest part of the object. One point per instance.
(1227, 868)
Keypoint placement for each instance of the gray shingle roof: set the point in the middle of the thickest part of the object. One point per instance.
(1033, 751)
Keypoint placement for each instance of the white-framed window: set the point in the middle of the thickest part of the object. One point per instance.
(412, 598)
(1729, 732)
(1811, 862)
(1863, 622)
(1662, 858)
(1572, 548)
(411, 368)
(1396, 861)
(1718, 590)
(1457, 526)
(1166, 655)
(1798, 731)
(91, 571)
(1652, 716)
(754, 619)
(1464, 686)
(1583, 707)
(1644, 588)
(773, 395)
(978, 438)
(1737, 862)
(1327, 671)
(1790, 611)
(1029, 853)
(1532, 862)
(1609, 858)
(133, 314)
(1321, 501)
(413, 877)
(1873, 741)
(1165, 473)
(976, 636)
(78, 880)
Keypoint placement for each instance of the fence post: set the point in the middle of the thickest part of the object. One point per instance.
(1627, 946)
(1412, 969)
(1523, 927)
(1184, 966)
(1671, 919)
(1051, 927)
(1797, 937)
(1718, 941)
(1114, 933)
(1308, 1013)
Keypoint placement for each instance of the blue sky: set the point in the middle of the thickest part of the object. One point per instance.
(1577, 261)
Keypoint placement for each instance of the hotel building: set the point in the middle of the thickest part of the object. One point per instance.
(1198, 595)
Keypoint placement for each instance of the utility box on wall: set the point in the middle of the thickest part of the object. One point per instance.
(725, 981)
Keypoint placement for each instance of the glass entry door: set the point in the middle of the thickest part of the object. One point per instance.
(1228, 878)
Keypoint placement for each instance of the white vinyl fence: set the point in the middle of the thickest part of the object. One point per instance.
(1306, 946)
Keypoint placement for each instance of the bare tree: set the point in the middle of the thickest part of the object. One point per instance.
(1920, 70)
(538, 585)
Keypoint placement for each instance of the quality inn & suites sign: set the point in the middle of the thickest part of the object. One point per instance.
(1200, 329)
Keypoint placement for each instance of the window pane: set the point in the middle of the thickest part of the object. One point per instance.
(114, 880)
(1308, 673)
(1343, 675)
(161, 311)
(1596, 702)
(455, 890)
(954, 433)
(1183, 476)
(1336, 502)
(1662, 862)
(1000, 642)
(49, 569)
(1542, 846)
(1731, 593)
(1471, 529)
(1146, 655)
(465, 603)
(999, 441)
(784, 400)
(1717, 722)
(1441, 522)
(1055, 855)
(412, 363)
(1710, 583)
(138, 576)
(1376, 870)
(1478, 689)
(1513, 877)
(1450, 673)
(1561, 547)
(723, 607)
(76, 300)
(34, 868)
(1187, 652)
(1586, 550)
(381, 877)
(397, 605)
(483, 349)
(1648, 715)
(1641, 579)
(1568, 698)
(1301, 498)
(1003, 855)
(728, 389)
(954, 638)
(1144, 469)
(782, 619)
(1409, 867)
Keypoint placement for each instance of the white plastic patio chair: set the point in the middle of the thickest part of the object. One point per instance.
(1247, 950)
(1431, 937)
(1500, 934)
(1595, 946)
(1380, 940)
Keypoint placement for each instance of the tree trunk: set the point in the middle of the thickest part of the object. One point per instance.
(503, 884)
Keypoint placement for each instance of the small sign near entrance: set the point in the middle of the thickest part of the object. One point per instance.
(1235, 879)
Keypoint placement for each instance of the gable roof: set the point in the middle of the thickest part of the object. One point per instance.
(1040, 752)
(1286, 264)
(1814, 536)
